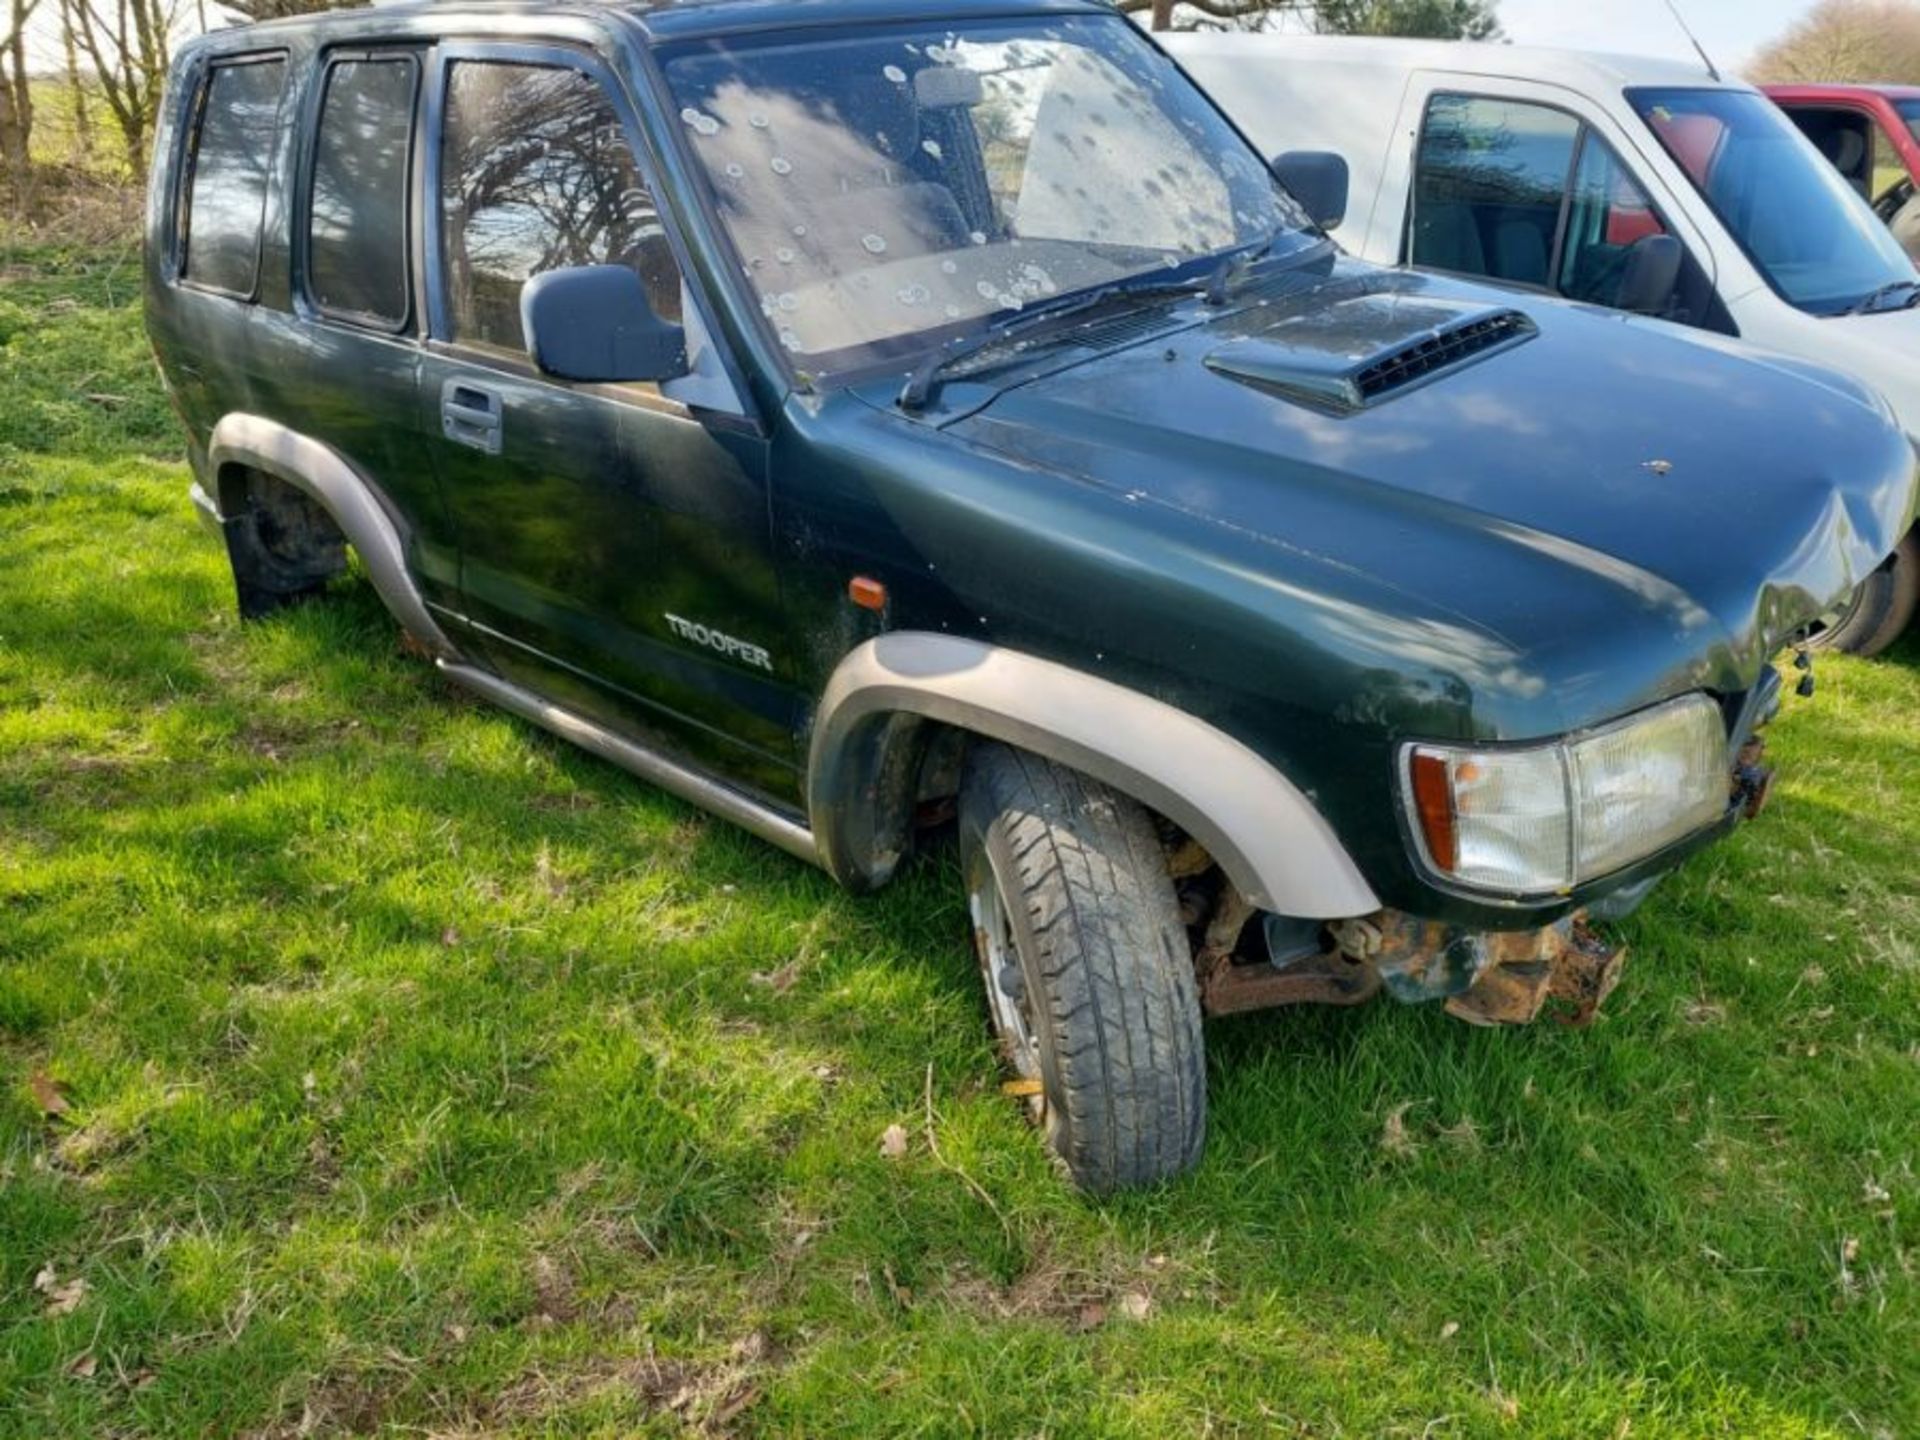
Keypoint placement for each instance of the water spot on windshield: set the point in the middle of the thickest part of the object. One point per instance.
(874, 244)
(789, 339)
(932, 147)
(947, 267)
(977, 237)
(988, 290)
(953, 312)
(784, 255)
(787, 301)
(913, 295)
(895, 74)
(758, 120)
(780, 165)
(736, 171)
(700, 122)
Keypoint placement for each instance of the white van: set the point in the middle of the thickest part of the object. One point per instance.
(1561, 171)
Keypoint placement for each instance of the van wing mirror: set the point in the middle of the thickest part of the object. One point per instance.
(1318, 179)
(1651, 274)
(594, 322)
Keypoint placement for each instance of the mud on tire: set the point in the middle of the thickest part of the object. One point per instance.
(1073, 878)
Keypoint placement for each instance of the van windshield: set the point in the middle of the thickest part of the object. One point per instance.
(1817, 242)
(887, 188)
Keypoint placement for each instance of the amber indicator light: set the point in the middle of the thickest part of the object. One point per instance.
(1433, 799)
(867, 593)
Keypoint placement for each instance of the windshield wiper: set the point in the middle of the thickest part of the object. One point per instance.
(1871, 303)
(1240, 263)
(924, 383)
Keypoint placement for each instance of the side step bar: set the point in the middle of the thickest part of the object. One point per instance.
(676, 779)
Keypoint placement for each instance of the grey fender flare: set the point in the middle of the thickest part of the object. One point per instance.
(323, 473)
(1266, 835)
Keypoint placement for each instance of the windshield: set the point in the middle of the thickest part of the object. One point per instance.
(888, 188)
(1817, 242)
(1909, 111)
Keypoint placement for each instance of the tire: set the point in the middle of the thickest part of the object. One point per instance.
(1089, 972)
(284, 548)
(1880, 610)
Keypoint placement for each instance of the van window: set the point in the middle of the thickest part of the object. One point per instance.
(357, 226)
(536, 174)
(1527, 194)
(227, 191)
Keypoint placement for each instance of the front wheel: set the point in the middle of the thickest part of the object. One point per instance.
(1087, 967)
(1876, 614)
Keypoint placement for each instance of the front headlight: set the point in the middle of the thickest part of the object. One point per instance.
(1541, 819)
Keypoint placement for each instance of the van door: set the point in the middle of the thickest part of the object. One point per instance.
(608, 533)
(1527, 185)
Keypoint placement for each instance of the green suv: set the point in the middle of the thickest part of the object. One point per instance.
(865, 418)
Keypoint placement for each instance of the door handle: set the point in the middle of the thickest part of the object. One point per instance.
(471, 415)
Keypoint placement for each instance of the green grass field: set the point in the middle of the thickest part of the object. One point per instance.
(372, 1062)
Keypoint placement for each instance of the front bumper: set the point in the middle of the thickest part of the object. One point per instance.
(1491, 976)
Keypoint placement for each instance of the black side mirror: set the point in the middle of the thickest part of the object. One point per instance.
(1651, 273)
(593, 322)
(1318, 180)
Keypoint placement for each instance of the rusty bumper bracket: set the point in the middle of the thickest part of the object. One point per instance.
(1575, 968)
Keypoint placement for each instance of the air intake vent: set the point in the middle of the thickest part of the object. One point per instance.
(1440, 351)
(1367, 348)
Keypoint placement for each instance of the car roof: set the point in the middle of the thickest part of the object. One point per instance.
(661, 19)
(1575, 69)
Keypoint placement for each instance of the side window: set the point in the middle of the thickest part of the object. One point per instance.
(1525, 193)
(1607, 215)
(1488, 183)
(227, 185)
(357, 223)
(536, 174)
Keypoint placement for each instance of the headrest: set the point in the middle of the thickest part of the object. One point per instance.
(947, 87)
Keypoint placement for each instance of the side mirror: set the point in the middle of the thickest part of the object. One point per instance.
(1318, 179)
(593, 322)
(1652, 271)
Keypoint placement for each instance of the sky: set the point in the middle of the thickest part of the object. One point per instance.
(1732, 30)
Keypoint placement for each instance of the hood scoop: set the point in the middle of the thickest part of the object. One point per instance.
(1360, 351)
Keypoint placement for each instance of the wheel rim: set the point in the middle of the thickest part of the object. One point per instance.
(1822, 630)
(999, 957)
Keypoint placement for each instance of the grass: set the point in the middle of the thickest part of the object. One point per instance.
(417, 1074)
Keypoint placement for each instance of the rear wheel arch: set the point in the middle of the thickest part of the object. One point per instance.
(246, 451)
(890, 700)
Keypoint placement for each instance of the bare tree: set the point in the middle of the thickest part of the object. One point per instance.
(1433, 19)
(128, 43)
(76, 84)
(279, 9)
(1859, 40)
(16, 98)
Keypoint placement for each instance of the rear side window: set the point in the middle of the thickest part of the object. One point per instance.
(536, 174)
(227, 188)
(357, 225)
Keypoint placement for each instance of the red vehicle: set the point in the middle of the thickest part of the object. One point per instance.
(1871, 133)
